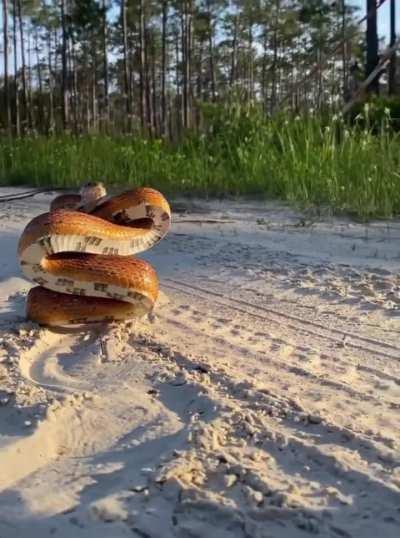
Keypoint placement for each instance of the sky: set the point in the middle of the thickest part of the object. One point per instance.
(383, 16)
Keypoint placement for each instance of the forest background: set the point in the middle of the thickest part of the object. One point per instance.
(205, 97)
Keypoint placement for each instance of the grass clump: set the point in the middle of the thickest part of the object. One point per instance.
(306, 160)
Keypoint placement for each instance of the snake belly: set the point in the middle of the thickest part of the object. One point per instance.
(83, 264)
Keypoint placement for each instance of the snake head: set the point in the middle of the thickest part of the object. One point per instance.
(91, 185)
(91, 191)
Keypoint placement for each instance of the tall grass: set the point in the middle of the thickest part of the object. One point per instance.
(307, 160)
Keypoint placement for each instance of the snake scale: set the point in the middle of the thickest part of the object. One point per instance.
(80, 254)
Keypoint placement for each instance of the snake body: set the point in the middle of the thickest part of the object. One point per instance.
(80, 255)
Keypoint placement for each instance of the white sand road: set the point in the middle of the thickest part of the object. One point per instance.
(262, 400)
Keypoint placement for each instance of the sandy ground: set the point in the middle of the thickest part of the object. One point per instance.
(261, 400)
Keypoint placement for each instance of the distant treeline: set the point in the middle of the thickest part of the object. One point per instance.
(88, 66)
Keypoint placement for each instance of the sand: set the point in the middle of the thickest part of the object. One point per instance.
(260, 400)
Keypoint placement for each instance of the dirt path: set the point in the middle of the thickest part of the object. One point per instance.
(261, 400)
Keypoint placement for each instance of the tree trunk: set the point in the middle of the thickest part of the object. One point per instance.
(146, 48)
(51, 122)
(127, 92)
(64, 83)
(27, 108)
(163, 68)
(94, 100)
(31, 114)
(234, 52)
(211, 51)
(251, 62)
(178, 108)
(264, 72)
(189, 62)
(372, 44)
(7, 107)
(105, 60)
(393, 59)
(142, 67)
(183, 62)
(40, 83)
(199, 83)
(16, 88)
(154, 91)
(88, 118)
(185, 35)
(275, 56)
(74, 77)
(344, 50)
(320, 87)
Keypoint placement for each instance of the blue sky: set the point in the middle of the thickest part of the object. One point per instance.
(383, 15)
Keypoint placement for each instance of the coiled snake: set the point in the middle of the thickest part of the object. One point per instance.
(80, 254)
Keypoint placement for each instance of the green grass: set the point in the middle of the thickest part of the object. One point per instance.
(307, 161)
